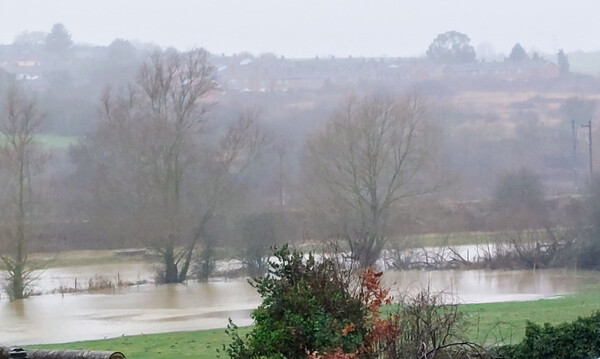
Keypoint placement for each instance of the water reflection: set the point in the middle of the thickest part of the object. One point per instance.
(153, 308)
(483, 286)
(18, 308)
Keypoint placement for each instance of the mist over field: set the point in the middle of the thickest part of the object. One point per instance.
(180, 142)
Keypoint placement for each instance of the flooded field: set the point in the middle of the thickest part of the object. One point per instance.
(151, 308)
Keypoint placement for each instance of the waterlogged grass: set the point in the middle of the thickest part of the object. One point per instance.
(95, 257)
(490, 323)
(457, 239)
(82, 258)
(79, 258)
(197, 344)
(454, 239)
(419, 241)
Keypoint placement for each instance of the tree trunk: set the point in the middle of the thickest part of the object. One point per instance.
(366, 249)
(170, 275)
(17, 283)
(206, 254)
(18, 280)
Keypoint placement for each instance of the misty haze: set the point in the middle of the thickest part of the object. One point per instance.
(273, 179)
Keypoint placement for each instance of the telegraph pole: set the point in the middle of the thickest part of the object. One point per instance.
(574, 155)
(589, 127)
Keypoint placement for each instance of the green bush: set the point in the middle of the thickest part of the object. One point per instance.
(579, 339)
(307, 307)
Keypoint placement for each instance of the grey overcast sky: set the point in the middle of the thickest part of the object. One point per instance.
(305, 28)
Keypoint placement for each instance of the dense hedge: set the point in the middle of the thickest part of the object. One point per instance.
(579, 339)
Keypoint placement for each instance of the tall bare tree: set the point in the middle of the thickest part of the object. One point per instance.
(19, 123)
(155, 157)
(371, 156)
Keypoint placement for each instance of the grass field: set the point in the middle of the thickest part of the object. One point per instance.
(505, 322)
(79, 258)
(56, 141)
(51, 141)
(195, 344)
(96, 257)
(169, 345)
(488, 322)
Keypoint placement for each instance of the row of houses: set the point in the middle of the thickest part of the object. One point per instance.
(270, 73)
(284, 75)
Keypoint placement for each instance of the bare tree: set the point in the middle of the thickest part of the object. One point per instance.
(371, 156)
(173, 87)
(19, 124)
(242, 142)
(154, 159)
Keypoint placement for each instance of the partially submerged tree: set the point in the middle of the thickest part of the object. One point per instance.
(19, 124)
(370, 158)
(152, 157)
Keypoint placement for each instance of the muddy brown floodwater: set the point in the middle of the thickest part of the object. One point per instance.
(149, 308)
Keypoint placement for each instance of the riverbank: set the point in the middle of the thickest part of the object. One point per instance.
(491, 323)
(94, 257)
(84, 258)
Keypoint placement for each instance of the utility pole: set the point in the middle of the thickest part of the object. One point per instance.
(589, 127)
(575, 182)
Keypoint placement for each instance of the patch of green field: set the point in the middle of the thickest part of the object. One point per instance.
(505, 322)
(56, 141)
(81, 258)
(96, 257)
(453, 239)
(52, 141)
(419, 241)
(490, 323)
(197, 345)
